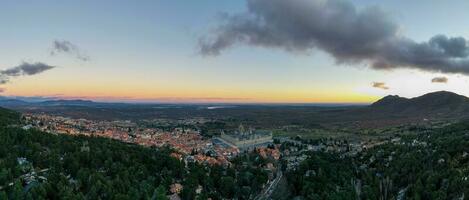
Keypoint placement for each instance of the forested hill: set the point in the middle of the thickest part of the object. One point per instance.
(8, 117)
(431, 105)
(38, 165)
(431, 164)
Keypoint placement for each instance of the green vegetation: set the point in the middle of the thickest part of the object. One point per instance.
(8, 117)
(80, 167)
(433, 164)
(210, 129)
(37, 165)
(316, 134)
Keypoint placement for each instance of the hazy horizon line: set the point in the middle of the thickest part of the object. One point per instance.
(170, 100)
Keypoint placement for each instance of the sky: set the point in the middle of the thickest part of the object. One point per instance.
(249, 51)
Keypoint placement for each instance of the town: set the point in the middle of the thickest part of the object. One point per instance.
(189, 143)
(192, 146)
(281, 158)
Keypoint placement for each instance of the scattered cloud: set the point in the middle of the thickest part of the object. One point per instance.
(4, 79)
(441, 79)
(24, 69)
(380, 85)
(349, 34)
(2, 90)
(64, 46)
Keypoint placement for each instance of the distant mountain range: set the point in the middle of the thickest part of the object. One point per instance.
(12, 102)
(435, 104)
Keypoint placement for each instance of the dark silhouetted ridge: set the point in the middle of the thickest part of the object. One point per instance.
(440, 103)
(389, 100)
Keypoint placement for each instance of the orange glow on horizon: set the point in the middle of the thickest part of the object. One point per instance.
(115, 89)
(200, 96)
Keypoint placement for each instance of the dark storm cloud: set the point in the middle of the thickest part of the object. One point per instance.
(349, 34)
(24, 69)
(65, 46)
(440, 80)
(380, 85)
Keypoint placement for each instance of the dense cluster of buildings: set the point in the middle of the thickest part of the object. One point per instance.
(190, 145)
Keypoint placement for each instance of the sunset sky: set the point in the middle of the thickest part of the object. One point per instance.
(219, 51)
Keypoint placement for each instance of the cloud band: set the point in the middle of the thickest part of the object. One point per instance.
(348, 34)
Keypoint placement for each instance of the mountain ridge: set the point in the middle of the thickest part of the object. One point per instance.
(435, 105)
(441, 103)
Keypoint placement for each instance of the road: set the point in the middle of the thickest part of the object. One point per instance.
(269, 189)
